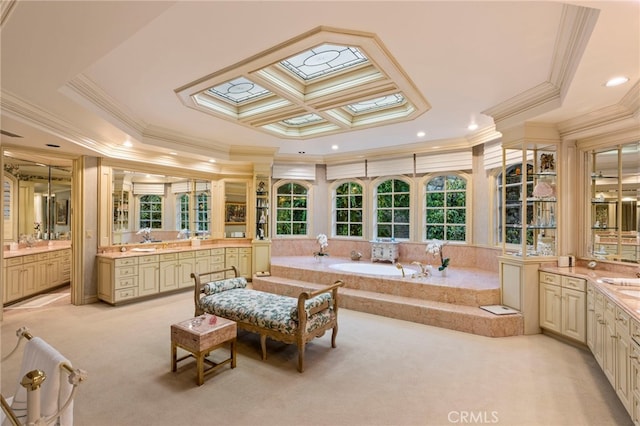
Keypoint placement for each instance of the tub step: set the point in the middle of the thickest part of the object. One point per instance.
(469, 319)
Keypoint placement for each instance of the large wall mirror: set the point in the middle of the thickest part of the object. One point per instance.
(615, 203)
(37, 200)
(150, 208)
(235, 209)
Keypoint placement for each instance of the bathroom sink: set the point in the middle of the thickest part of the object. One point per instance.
(630, 292)
(622, 281)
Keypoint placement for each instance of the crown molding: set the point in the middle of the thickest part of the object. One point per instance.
(486, 135)
(6, 7)
(35, 116)
(576, 26)
(613, 118)
(88, 93)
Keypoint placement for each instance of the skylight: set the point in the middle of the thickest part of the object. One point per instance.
(323, 60)
(323, 82)
(377, 103)
(238, 90)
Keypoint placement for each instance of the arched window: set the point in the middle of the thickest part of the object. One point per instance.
(445, 204)
(348, 210)
(151, 211)
(292, 201)
(392, 209)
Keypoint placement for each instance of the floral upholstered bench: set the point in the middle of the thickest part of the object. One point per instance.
(283, 318)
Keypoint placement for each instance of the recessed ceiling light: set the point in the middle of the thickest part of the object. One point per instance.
(173, 153)
(128, 144)
(420, 134)
(472, 126)
(211, 160)
(334, 147)
(616, 81)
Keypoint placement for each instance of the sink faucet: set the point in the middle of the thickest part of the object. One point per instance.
(399, 266)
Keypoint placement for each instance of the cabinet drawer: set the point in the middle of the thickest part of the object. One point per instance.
(218, 259)
(30, 258)
(231, 251)
(203, 253)
(56, 254)
(148, 259)
(42, 256)
(623, 322)
(126, 271)
(126, 261)
(125, 282)
(547, 278)
(187, 255)
(244, 251)
(574, 283)
(168, 256)
(126, 293)
(217, 251)
(13, 261)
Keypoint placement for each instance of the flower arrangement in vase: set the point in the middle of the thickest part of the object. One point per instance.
(323, 243)
(435, 248)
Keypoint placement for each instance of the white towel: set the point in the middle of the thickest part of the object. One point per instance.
(54, 391)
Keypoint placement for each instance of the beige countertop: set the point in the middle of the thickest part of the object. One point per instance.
(7, 254)
(114, 253)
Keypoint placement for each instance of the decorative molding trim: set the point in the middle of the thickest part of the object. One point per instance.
(91, 95)
(576, 25)
(43, 120)
(609, 119)
(6, 7)
(575, 29)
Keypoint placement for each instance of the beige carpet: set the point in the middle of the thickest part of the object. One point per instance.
(383, 372)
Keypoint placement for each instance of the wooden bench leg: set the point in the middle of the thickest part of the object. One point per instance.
(333, 336)
(301, 347)
(263, 345)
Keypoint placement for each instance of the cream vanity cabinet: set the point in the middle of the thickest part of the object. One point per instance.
(634, 372)
(563, 305)
(240, 257)
(35, 273)
(612, 337)
(19, 277)
(130, 277)
(148, 275)
(217, 262)
(117, 279)
(176, 269)
(202, 263)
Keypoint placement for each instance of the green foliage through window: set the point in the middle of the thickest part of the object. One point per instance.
(445, 208)
(348, 210)
(393, 209)
(291, 209)
(151, 211)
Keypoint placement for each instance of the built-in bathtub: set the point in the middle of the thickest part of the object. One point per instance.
(372, 269)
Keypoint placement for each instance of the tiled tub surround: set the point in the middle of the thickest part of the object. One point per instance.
(449, 302)
(461, 255)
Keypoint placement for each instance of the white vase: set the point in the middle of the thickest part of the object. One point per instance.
(443, 273)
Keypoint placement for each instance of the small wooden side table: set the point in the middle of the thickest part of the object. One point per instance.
(200, 336)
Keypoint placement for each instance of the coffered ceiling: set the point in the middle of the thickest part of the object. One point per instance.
(90, 76)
